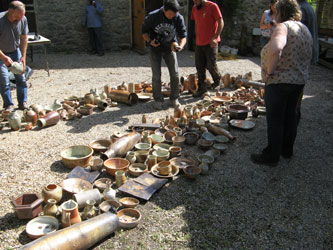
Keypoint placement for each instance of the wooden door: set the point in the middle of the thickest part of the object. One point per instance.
(138, 17)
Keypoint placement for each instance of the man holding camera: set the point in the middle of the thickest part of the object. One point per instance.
(92, 19)
(208, 27)
(160, 30)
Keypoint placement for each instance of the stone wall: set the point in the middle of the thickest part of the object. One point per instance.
(61, 21)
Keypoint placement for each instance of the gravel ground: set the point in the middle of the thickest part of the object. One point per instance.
(238, 205)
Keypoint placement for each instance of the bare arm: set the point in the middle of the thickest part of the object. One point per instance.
(23, 48)
(6, 59)
(213, 43)
(277, 43)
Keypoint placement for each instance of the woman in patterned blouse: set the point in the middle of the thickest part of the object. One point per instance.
(285, 62)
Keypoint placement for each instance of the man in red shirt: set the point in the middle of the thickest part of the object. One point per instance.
(208, 27)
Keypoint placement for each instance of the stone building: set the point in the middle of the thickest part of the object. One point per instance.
(60, 21)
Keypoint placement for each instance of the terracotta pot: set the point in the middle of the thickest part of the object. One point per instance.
(50, 119)
(70, 213)
(30, 116)
(52, 191)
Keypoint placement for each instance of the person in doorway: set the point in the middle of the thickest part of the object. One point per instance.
(285, 63)
(161, 30)
(208, 27)
(268, 23)
(13, 47)
(92, 19)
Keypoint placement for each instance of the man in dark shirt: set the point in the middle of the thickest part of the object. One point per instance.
(13, 47)
(160, 30)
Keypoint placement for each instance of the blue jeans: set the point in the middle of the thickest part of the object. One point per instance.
(95, 40)
(171, 62)
(21, 84)
(281, 100)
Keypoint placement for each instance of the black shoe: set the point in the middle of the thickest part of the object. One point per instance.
(199, 93)
(100, 54)
(263, 160)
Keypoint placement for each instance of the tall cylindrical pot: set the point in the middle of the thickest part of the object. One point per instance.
(80, 236)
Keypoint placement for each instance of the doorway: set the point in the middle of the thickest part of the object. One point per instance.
(140, 8)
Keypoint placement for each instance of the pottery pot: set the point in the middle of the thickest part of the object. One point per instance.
(89, 98)
(14, 120)
(81, 198)
(50, 119)
(89, 211)
(120, 178)
(70, 213)
(52, 191)
(164, 168)
(51, 208)
(30, 116)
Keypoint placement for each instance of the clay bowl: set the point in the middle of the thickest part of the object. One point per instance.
(238, 111)
(168, 136)
(160, 131)
(221, 139)
(221, 99)
(101, 183)
(137, 169)
(208, 136)
(129, 202)
(114, 164)
(100, 145)
(156, 138)
(206, 113)
(191, 138)
(96, 164)
(79, 155)
(178, 140)
(162, 146)
(41, 226)
(181, 162)
(192, 172)
(164, 168)
(205, 144)
(141, 155)
(220, 146)
(204, 158)
(175, 151)
(213, 152)
(105, 206)
(129, 218)
(142, 146)
(75, 185)
(162, 155)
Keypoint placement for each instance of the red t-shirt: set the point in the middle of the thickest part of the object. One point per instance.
(206, 22)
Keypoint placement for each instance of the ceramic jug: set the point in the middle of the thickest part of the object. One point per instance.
(109, 193)
(151, 161)
(70, 213)
(52, 191)
(89, 98)
(14, 120)
(51, 208)
(178, 111)
(89, 211)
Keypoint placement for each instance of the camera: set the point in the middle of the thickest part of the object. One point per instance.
(161, 37)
